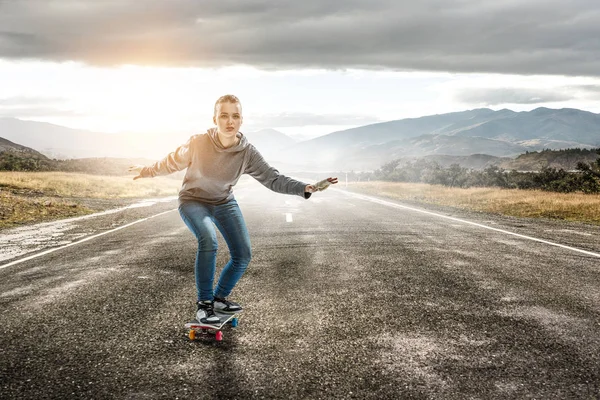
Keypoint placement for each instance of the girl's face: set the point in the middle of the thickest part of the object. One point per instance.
(228, 118)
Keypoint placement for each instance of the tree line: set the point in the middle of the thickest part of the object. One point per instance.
(585, 178)
(13, 161)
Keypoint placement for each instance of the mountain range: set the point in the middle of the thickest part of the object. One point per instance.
(502, 133)
(60, 142)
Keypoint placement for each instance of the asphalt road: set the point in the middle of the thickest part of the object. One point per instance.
(344, 298)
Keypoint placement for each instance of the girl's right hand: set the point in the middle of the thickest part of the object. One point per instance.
(137, 169)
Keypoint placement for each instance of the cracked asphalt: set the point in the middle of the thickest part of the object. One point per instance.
(344, 298)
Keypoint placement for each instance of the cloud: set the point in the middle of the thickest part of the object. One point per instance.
(20, 101)
(536, 94)
(31, 107)
(589, 90)
(285, 120)
(495, 96)
(520, 37)
(36, 112)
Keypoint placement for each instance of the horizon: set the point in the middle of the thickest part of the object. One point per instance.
(301, 136)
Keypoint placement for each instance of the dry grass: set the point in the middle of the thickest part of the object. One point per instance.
(64, 184)
(28, 197)
(22, 209)
(514, 202)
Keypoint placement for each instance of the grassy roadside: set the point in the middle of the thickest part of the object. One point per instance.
(518, 203)
(31, 197)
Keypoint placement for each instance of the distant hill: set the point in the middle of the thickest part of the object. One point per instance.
(502, 133)
(269, 142)
(475, 161)
(542, 128)
(8, 146)
(566, 159)
(14, 156)
(60, 142)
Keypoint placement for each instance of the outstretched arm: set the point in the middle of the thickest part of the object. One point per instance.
(175, 161)
(260, 170)
(268, 176)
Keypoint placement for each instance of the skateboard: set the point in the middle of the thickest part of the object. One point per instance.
(196, 327)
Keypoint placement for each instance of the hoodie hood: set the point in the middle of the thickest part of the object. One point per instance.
(243, 143)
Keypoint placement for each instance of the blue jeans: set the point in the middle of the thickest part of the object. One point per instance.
(201, 219)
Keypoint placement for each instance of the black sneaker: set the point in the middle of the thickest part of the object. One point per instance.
(226, 306)
(206, 313)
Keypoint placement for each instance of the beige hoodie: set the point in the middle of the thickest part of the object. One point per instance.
(213, 170)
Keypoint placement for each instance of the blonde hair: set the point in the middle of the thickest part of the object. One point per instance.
(228, 98)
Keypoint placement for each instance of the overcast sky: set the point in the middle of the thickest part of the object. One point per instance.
(304, 67)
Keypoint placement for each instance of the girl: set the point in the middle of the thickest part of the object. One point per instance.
(215, 160)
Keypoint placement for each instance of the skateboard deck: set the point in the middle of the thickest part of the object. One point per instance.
(196, 327)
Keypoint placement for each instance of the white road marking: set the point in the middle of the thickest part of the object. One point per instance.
(391, 204)
(10, 264)
(288, 217)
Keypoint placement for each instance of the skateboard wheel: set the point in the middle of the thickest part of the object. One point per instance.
(219, 336)
(192, 334)
(234, 322)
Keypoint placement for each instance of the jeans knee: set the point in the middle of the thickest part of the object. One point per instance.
(243, 257)
(207, 246)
